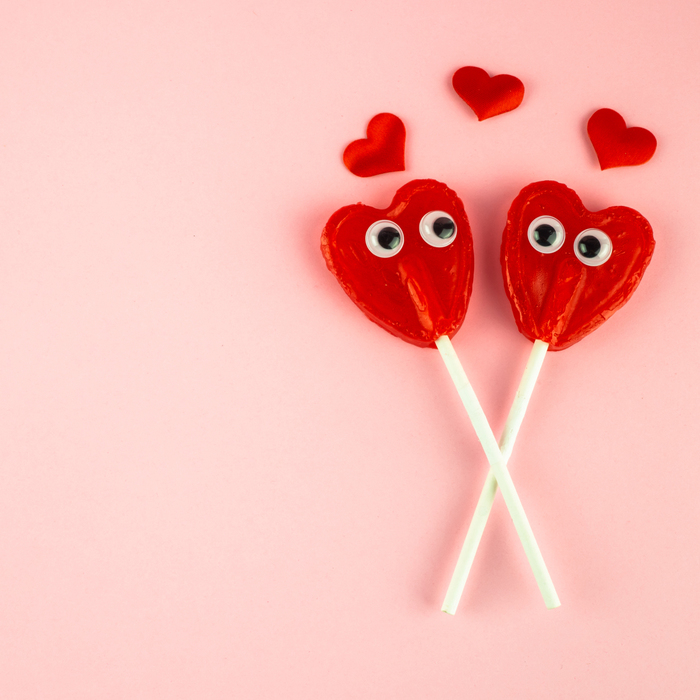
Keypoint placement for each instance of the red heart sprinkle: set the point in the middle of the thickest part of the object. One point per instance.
(383, 149)
(485, 95)
(615, 144)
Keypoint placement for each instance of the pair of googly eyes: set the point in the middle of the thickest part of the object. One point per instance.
(592, 247)
(385, 238)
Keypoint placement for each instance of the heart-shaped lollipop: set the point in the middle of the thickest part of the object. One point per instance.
(567, 270)
(409, 267)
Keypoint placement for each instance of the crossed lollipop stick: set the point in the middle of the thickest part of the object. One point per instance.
(497, 455)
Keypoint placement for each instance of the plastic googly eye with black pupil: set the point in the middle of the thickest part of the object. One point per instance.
(593, 247)
(546, 234)
(438, 229)
(384, 239)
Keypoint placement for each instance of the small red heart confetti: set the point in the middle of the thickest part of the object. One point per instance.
(488, 96)
(383, 149)
(615, 144)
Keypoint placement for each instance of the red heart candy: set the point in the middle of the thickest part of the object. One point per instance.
(383, 149)
(408, 267)
(615, 144)
(566, 270)
(488, 96)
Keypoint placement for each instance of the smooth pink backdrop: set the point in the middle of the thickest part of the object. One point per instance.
(218, 479)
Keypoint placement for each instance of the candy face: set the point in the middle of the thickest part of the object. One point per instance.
(566, 270)
(408, 267)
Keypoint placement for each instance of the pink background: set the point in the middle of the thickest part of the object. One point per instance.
(218, 479)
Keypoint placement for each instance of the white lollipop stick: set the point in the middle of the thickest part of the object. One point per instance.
(498, 466)
(488, 493)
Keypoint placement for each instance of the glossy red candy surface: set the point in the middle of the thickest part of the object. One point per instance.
(567, 270)
(409, 267)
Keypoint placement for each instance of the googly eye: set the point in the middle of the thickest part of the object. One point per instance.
(546, 234)
(384, 239)
(593, 247)
(438, 229)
